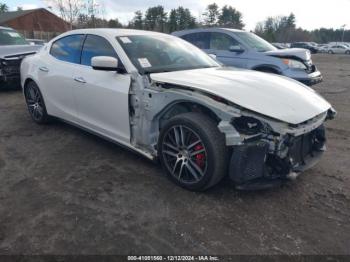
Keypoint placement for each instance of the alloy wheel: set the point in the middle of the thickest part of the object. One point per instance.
(34, 103)
(185, 154)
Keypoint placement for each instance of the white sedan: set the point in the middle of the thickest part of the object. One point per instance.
(165, 99)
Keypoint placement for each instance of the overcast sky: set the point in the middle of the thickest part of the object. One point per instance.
(310, 14)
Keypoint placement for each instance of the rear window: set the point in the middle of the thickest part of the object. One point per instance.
(201, 40)
(68, 48)
(11, 37)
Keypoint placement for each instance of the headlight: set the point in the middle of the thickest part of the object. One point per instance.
(294, 63)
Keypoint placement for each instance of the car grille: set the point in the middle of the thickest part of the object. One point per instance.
(10, 66)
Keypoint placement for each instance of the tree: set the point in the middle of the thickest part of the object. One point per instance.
(69, 10)
(137, 21)
(3, 8)
(114, 23)
(211, 15)
(155, 19)
(281, 29)
(180, 19)
(230, 17)
(172, 21)
(291, 21)
(185, 20)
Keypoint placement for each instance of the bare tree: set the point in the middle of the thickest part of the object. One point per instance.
(69, 10)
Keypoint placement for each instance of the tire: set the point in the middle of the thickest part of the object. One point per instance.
(330, 52)
(347, 52)
(35, 104)
(195, 132)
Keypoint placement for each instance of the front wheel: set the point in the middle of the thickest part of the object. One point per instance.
(35, 103)
(330, 52)
(347, 52)
(192, 151)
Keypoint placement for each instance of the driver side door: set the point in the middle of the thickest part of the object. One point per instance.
(102, 96)
(220, 45)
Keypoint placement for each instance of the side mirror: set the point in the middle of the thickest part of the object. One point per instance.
(236, 49)
(105, 63)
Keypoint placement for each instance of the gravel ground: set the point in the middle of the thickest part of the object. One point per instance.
(64, 191)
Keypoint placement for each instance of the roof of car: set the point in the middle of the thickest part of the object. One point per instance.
(113, 32)
(211, 29)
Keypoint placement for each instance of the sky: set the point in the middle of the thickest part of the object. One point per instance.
(310, 14)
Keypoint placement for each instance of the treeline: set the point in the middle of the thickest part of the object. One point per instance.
(157, 19)
(283, 29)
(86, 14)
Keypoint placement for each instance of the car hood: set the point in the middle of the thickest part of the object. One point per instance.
(9, 50)
(271, 95)
(300, 53)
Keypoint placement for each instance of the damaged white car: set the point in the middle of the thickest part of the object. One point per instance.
(166, 99)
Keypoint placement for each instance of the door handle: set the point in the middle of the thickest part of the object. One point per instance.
(80, 80)
(44, 69)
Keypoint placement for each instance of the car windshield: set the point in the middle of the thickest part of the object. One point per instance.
(11, 37)
(158, 53)
(255, 42)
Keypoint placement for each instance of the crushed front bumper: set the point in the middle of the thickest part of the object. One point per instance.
(253, 166)
(10, 72)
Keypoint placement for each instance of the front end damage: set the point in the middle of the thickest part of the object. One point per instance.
(10, 70)
(263, 151)
(266, 158)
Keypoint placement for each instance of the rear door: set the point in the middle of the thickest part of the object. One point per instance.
(201, 40)
(102, 96)
(56, 73)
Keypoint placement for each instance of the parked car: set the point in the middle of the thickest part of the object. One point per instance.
(339, 49)
(323, 48)
(279, 45)
(36, 41)
(13, 48)
(164, 98)
(312, 48)
(246, 50)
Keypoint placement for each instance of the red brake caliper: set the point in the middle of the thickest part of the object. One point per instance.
(200, 158)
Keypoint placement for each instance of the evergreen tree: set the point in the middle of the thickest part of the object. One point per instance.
(211, 15)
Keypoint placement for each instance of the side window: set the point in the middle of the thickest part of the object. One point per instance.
(201, 40)
(96, 46)
(220, 41)
(68, 48)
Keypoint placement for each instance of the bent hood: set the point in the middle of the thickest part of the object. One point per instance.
(271, 95)
(301, 53)
(10, 50)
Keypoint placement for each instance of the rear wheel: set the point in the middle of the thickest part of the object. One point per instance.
(35, 103)
(347, 52)
(192, 151)
(330, 52)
